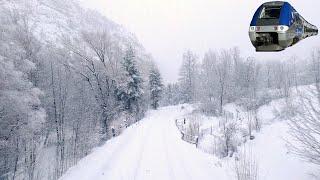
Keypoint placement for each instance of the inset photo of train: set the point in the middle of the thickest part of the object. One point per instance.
(277, 25)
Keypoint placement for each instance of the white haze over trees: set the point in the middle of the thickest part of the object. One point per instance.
(168, 28)
(71, 80)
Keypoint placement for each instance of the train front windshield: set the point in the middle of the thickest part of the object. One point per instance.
(269, 16)
(270, 12)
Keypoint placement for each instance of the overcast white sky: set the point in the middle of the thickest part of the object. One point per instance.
(167, 28)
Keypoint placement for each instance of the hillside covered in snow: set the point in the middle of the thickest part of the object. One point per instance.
(68, 76)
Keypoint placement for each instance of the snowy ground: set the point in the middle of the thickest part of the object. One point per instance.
(274, 160)
(270, 146)
(153, 149)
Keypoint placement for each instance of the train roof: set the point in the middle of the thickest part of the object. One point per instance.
(274, 3)
(285, 13)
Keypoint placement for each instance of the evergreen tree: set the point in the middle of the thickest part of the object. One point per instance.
(130, 91)
(156, 87)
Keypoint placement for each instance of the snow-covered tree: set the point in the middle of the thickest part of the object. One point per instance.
(58, 85)
(172, 94)
(305, 126)
(188, 76)
(208, 83)
(130, 91)
(156, 87)
(21, 119)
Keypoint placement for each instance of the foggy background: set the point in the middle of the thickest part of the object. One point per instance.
(167, 28)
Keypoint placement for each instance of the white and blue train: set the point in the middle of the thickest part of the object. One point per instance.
(277, 25)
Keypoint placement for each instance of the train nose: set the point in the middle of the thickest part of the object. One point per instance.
(265, 39)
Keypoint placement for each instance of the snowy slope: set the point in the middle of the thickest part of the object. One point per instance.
(151, 149)
(274, 159)
(52, 22)
(270, 146)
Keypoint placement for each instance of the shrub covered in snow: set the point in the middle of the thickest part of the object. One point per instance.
(246, 166)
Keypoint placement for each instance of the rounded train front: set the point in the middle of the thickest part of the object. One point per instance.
(277, 25)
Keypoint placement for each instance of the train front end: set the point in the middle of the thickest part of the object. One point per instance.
(270, 27)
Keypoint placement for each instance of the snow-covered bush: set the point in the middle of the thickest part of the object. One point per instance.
(210, 108)
(229, 136)
(193, 127)
(222, 140)
(305, 126)
(245, 165)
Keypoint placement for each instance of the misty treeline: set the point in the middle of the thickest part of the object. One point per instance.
(70, 79)
(225, 76)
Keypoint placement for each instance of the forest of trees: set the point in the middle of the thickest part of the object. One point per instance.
(222, 77)
(69, 78)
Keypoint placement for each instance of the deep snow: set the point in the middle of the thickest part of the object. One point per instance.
(152, 149)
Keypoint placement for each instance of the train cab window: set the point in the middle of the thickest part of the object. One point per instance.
(297, 19)
(296, 16)
(270, 12)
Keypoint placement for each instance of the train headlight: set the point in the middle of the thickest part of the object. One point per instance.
(283, 28)
(252, 28)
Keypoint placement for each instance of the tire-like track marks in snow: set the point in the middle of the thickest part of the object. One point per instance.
(150, 149)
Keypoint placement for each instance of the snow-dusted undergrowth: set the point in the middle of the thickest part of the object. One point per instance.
(268, 144)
